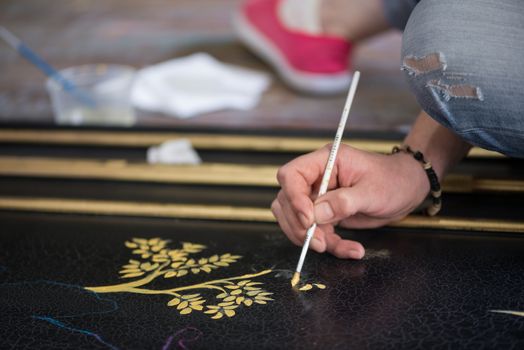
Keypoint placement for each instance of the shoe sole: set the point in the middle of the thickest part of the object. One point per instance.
(318, 84)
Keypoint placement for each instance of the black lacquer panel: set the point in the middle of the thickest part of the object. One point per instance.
(414, 289)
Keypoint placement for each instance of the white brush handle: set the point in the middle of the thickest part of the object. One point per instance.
(330, 163)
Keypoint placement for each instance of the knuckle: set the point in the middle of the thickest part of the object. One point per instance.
(275, 208)
(344, 205)
(296, 203)
(282, 174)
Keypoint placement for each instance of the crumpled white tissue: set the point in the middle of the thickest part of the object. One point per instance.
(197, 84)
(173, 152)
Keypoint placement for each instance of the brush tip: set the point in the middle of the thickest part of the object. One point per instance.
(295, 279)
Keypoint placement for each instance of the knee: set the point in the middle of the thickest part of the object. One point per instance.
(438, 60)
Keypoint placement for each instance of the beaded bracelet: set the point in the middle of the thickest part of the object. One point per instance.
(434, 184)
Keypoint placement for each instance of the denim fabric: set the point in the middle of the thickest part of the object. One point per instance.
(464, 61)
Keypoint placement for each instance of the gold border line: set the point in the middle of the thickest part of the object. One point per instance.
(199, 141)
(212, 212)
(204, 174)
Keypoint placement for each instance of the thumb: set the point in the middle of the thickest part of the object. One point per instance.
(340, 204)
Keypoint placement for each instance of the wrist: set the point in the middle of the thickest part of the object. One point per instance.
(434, 183)
(440, 146)
(415, 174)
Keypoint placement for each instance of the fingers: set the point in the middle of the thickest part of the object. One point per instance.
(292, 227)
(341, 204)
(343, 248)
(298, 178)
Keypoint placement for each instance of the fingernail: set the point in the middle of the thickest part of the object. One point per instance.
(303, 220)
(355, 254)
(323, 212)
(316, 245)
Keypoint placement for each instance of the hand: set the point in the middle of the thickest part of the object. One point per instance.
(365, 190)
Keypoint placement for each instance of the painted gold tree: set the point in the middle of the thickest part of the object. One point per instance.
(156, 260)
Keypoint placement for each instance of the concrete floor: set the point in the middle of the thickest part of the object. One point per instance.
(141, 33)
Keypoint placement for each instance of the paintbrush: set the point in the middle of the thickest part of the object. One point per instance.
(327, 172)
(45, 67)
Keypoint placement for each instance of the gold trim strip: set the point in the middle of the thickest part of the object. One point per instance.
(207, 173)
(211, 212)
(199, 141)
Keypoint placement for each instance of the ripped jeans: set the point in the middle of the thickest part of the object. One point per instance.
(464, 61)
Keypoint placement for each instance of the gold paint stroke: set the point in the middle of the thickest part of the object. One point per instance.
(198, 140)
(154, 259)
(228, 213)
(207, 173)
(509, 312)
(311, 286)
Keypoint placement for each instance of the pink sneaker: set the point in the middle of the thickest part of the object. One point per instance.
(309, 63)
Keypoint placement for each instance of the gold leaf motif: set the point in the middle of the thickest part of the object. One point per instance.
(131, 245)
(230, 307)
(305, 287)
(183, 305)
(170, 274)
(320, 286)
(251, 284)
(229, 313)
(251, 288)
(218, 315)
(159, 261)
(148, 266)
(186, 311)
(190, 296)
(192, 248)
(263, 298)
(226, 304)
(174, 302)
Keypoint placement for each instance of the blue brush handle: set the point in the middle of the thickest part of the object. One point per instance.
(67, 85)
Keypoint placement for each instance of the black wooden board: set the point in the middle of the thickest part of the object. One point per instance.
(415, 289)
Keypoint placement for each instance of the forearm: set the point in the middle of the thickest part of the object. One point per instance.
(440, 146)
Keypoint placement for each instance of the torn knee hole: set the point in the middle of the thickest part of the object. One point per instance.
(455, 91)
(414, 65)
